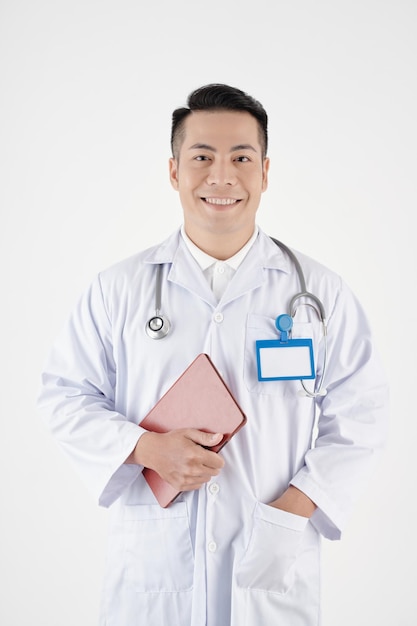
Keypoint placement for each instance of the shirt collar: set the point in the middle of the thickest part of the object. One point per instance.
(205, 260)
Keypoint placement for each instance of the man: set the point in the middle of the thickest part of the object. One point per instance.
(240, 545)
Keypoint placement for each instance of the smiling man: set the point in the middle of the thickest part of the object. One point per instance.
(240, 545)
(220, 171)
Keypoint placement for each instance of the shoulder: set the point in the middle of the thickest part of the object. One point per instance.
(322, 281)
(313, 269)
(137, 265)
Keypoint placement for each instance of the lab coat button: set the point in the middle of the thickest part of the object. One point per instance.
(214, 488)
(220, 269)
(218, 317)
(212, 546)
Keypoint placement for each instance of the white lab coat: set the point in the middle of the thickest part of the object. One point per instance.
(219, 556)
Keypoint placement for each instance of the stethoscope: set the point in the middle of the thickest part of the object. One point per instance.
(158, 326)
(284, 322)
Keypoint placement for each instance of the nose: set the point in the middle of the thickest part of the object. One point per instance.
(221, 172)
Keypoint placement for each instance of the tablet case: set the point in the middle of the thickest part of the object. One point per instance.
(200, 399)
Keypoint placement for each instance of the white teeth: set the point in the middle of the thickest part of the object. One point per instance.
(222, 201)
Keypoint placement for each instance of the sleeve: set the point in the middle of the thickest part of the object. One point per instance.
(77, 401)
(352, 422)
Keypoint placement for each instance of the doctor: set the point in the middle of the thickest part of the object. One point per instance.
(241, 545)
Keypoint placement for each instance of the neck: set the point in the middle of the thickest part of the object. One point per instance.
(220, 246)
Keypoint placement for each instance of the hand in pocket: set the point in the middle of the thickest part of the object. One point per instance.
(268, 564)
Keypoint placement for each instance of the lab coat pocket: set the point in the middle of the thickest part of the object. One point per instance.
(158, 549)
(270, 558)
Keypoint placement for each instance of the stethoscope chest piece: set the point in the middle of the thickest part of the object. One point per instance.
(157, 327)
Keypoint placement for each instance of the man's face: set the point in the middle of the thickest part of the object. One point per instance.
(220, 174)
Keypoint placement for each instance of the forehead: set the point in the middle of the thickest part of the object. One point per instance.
(221, 129)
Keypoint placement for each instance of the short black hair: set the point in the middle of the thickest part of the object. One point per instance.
(218, 97)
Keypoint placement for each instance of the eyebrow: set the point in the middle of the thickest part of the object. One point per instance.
(205, 146)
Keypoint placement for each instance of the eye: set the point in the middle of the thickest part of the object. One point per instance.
(243, 159)
(201, 157)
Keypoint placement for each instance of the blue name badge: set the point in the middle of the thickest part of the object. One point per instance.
(285, 360)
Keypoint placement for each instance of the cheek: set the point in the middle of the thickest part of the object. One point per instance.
(189, 181)
(257, 186)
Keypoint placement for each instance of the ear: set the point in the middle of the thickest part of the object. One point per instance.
(173, 172)
(265, 171)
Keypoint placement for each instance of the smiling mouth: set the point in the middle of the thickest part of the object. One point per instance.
(221, 201)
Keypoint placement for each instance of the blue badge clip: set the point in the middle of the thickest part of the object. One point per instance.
(284, 324)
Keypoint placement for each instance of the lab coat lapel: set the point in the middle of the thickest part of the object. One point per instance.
(186, 273)
(250, 275)
(252, 272)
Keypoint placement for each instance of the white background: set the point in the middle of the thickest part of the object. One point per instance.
(87, 91)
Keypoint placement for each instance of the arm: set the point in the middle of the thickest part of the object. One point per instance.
(352, 425)
(78, 405)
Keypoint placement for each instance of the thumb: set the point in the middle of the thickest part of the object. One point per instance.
(206, 439)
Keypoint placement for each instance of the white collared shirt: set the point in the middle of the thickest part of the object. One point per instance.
(218, 273)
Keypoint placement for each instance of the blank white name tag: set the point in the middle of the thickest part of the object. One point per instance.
(287, 360)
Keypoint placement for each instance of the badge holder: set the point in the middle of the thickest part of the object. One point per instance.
(285, 358)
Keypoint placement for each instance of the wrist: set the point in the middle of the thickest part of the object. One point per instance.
(138, 454)
(295, 501)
